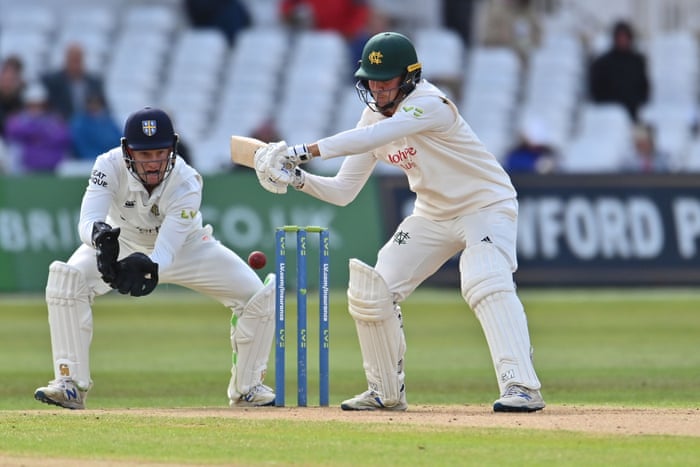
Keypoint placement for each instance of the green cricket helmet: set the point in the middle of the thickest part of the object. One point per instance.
(385, 56)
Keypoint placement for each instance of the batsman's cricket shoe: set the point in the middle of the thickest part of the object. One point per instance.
(518, 398)
(259, 396)
(370, 400)
(63, 393)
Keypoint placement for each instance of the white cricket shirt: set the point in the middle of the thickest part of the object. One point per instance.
(448, 167)
(157, 224)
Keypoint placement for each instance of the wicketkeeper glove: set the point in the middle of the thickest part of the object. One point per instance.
(137, 275)
(105, 239)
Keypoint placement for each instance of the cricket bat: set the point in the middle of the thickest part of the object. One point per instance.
(243, 150)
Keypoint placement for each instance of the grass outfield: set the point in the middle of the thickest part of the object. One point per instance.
(161, 365)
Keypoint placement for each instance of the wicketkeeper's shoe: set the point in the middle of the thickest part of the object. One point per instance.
(518, 398)
(63, 393)
(259, 396)
(370, 400)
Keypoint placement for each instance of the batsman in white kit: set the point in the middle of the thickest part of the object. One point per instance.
(465, 204)
(140, 225)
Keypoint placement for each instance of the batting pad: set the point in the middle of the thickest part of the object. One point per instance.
(70, 321)
(251, 340)
(488, 288)
(379, 330)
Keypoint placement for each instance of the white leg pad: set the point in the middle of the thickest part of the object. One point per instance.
(70, 322)
(488, 288)
(252, 332)
(379, 329)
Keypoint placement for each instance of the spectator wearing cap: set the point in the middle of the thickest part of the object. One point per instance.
(39, 137)
(533, 153)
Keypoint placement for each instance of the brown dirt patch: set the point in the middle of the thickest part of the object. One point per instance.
(613, 420)
(590, 419)
(586, 419)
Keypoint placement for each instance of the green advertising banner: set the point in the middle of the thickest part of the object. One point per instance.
(38, 223)
(39, 214)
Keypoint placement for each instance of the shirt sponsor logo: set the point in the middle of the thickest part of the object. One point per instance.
(415, 111)
(148, 231)
(404, 158)
(98, 178)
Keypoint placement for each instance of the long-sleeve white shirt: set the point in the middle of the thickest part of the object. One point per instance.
(157, 224)
(448, 167)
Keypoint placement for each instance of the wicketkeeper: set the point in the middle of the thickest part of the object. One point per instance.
(140, 224)
(465, 204)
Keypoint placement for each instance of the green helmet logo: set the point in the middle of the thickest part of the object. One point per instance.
(375, 58)
(387, 55)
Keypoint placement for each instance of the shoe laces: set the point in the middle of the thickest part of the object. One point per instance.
(256, 389)
(62, 382)
(515, 390)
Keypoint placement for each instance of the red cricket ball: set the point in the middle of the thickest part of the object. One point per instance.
(257, 260)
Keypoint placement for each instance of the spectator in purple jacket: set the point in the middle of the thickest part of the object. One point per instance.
(40, 137)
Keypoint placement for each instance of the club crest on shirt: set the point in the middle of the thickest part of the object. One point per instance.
(401, 237)
(149, 127)
(155, 211)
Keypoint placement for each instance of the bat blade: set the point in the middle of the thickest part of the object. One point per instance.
(243, 150)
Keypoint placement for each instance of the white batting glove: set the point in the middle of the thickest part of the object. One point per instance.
(298, 154)
(269, 155)
(268, 169)
(298, 179)
(276, 180)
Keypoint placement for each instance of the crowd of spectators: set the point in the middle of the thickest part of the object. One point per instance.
(65, 114)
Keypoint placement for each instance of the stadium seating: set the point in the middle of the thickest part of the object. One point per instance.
(194, 74)
(27, 31)
(148, 55)
(135, 73)
(91, 26)
(310, 87)
(490, 95)
(601, 142)
(442, 55)
(248, 93)
(554, 87)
